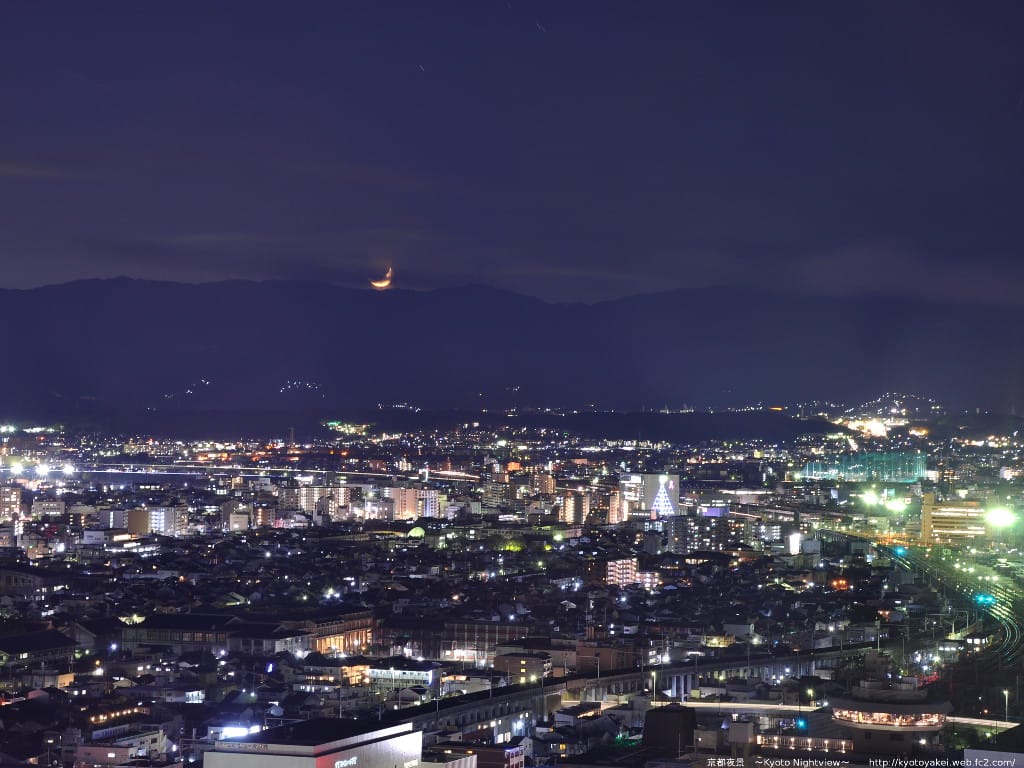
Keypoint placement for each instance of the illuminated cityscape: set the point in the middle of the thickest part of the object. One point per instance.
(511, 591)
(503, 384)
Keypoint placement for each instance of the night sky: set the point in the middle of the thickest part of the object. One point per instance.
(571, 151)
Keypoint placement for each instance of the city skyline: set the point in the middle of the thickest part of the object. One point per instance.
(413, 579)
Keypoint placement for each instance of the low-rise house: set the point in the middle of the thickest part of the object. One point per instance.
(46, 647)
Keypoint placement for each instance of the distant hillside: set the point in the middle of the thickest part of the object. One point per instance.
(687, 428)
(87, 348)
(975, 426)
(657, 427)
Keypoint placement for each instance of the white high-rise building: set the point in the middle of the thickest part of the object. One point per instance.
(168, 521)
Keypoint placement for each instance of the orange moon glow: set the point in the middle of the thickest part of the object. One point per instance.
(385, 282)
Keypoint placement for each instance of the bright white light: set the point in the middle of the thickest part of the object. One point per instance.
(42, 470)
(17, 468)
(68, 469)
(794, 543)
(1000, 517)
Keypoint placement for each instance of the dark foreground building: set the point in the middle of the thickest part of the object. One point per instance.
(669, 730)
(321, 743)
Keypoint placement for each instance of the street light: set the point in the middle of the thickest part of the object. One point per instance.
(810, 697)
(1000, 517)
(1006, 701)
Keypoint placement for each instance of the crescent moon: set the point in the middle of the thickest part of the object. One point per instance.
(385, 282)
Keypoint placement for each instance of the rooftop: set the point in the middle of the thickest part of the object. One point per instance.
(46, 640)
(319, 732)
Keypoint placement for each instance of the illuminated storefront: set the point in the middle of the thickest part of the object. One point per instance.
(880, 727)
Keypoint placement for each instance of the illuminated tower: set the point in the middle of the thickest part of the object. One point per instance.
(662, 505)
(616, 508)
(648, 496)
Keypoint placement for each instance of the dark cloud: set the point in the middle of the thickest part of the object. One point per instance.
(15, 166)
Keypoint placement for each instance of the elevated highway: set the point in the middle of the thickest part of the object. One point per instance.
(673, 681)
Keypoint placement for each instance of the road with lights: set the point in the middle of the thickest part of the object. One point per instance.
(196, 469)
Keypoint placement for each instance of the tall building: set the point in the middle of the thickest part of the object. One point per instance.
(616, 510)
(10, 502)
(648, 496)
(574, 508)
(622, 572)
(951, 522)
(263, 516)
(496, 495)
(413, 503)
(687, 533)
(166, 521)
(325, 499)
(405, 501)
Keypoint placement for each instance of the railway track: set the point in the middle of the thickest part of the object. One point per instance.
(986, 592)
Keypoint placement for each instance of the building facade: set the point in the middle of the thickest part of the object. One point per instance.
(321, 743)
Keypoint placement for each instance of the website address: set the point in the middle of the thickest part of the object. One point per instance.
(943, 762)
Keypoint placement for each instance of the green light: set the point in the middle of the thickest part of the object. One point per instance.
(869, 497)
(1000, 517)
(896, 505)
